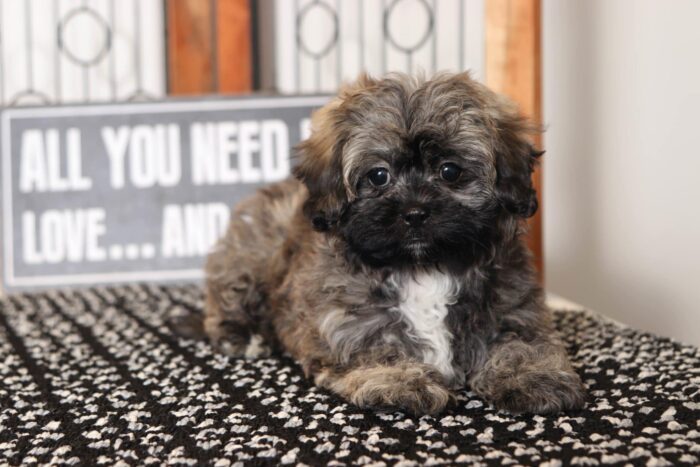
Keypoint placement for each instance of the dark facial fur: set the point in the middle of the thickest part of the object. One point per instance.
(377, 226)
(411, 129)
(391, 277)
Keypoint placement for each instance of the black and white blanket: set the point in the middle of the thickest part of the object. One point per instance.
(96, 377)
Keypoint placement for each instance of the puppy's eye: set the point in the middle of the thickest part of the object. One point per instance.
(450, 172)
(379, 176)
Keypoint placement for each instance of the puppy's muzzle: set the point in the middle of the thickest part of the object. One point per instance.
(415, 216)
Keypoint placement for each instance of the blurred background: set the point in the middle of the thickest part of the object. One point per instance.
(616, 83)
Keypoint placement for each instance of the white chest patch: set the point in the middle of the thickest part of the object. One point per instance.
(423, 303)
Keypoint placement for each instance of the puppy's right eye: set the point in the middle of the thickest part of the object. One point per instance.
(379, 176)
(450, 172)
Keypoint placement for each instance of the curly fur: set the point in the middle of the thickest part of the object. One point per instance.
(380, 311)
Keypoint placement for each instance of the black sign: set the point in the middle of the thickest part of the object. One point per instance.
(134, 192)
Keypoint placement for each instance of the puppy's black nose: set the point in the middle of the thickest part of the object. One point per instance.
(415, 216)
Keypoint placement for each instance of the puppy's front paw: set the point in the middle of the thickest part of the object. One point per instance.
(407, 386)
(532, 377)
(235, 341)
(539, 392)
(250, 347)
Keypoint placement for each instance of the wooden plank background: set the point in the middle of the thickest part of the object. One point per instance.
(513, 68)
(209, 46)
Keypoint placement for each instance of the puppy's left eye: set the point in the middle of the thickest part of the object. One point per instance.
(450, 172)
(379, 176)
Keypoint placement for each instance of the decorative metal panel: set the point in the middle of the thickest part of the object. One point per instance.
(56, 51)
(321, 43)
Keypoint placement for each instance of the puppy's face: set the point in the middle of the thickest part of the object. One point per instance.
(410, 172)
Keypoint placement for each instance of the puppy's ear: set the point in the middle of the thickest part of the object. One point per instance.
(321, 158)
(320, 168)
(516, 158)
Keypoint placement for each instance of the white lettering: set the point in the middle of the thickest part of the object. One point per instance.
(41, 162)
(63, 235)
(116, 142)
(247, 152)
(192, 229)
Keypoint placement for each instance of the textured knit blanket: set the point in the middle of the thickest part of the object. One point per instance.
(97, 377)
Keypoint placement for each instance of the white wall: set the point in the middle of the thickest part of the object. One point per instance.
(622, 170)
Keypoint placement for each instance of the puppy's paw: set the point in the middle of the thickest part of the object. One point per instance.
(256, 347)
(539, 392)
(250, 347)
(411, 387)
(185, 323)
(235, 341)
(531, 377)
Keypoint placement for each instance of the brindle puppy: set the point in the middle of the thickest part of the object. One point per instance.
(393, 268)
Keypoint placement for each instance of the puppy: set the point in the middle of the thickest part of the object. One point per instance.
(393, 268)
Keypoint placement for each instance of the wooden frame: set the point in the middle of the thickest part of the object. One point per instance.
(513, 68)
(209, 46)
